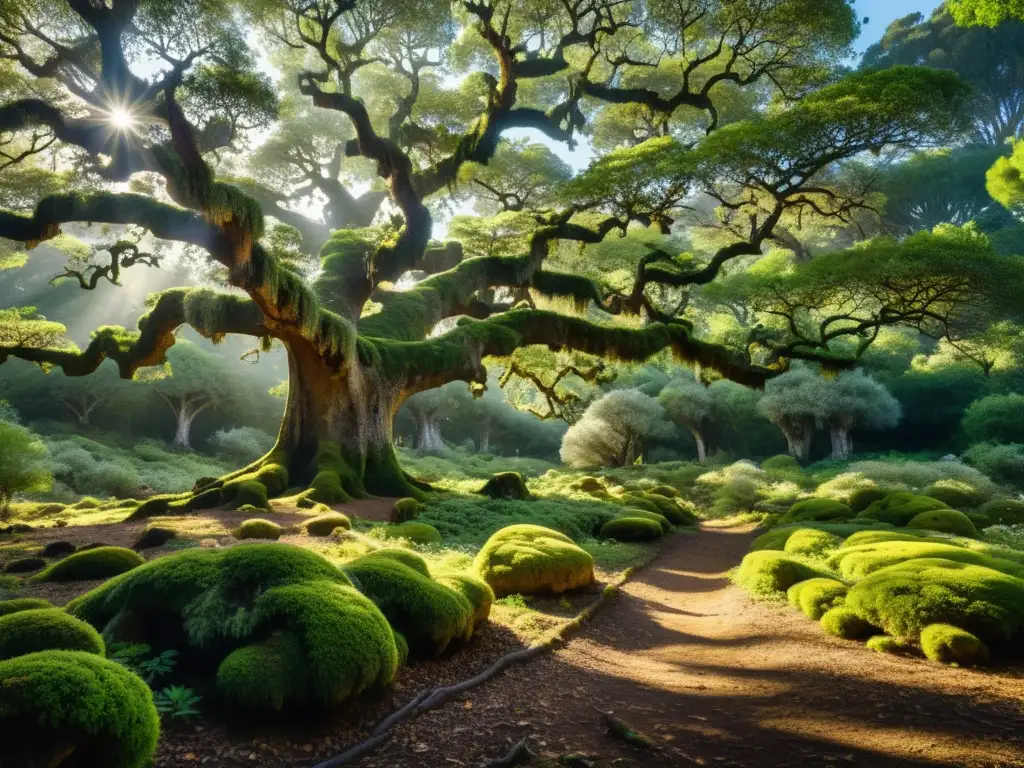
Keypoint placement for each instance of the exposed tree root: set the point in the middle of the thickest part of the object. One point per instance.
(428, 700)
(623, 731)
(518, 755)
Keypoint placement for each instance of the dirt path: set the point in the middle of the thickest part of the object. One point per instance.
(685, 657)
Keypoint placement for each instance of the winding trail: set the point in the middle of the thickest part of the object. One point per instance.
(717, 680)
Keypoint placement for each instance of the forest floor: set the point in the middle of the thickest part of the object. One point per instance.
(679, 654)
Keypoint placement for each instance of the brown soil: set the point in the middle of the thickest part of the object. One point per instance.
(714, 679)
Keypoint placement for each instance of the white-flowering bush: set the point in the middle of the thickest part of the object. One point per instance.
(615, 430)
(907, 475)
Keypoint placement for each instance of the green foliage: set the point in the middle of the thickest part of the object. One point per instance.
(947, 644)
(843, 622)
(177, 701)
(531, 559)
(93, 706)
(98, 563)
(777, 537)
(266, 674)
(946, 521)
(1003, 463)
(324, 525)
(427, 613)
(816, 510)
(782, 462)
(662, 521)
(988, 12)
(416, 532)
(46, 629)
(996, 418)
(862, 498)
(242, 444)
(256, 528)
(405, 510)
(767, 573)
(900, 507)
(614, 430)
(22, 464)
(1003, 511)
(631, 528)
(814, 597)
(810, 542)
(886, 644)
(906, 597)
(856, 562)
(406, 557)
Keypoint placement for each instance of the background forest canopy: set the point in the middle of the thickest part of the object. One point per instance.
(334, 215)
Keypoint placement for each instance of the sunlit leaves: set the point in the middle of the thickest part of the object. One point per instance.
(988, 12)
(22, 327)
(1005, 180)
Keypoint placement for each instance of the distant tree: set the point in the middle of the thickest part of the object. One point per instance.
(615, 430)
(689, 404)
(81, 395)
(793, 402)
(429, 409)
(9, 413)
(854, 399)
(22, 464)
(197, 381)
(995, 418)
(737, 425)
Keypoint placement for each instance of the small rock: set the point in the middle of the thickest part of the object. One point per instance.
(154, 536)
(57, 549)
(17, 528)
(25, 564)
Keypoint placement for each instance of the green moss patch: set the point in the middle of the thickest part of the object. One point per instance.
(947, 644)
(257, 528)
(530, 559)
(862, 498)
(843, 622)
(324, 525)
(956, 495)
(816, 510)
(859, 561)
(768, 573)
(886, 644)
(80, 702)
(476, 591)
(631, 528)
(1003, 511)
(98, 563)
(405, 510)
(417, 533)
(811, 543)
(816, 596)
(46, 629)
(660, 519)
(506, 485)
(22, 604)
(900, 507)
(406, 557)
(945, 521)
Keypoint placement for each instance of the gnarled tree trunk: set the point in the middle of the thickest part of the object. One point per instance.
(842, 441)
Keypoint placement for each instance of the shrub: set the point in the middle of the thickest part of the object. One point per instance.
(22, 604)
(900, 508)
(418, 533)
(954, 494)
(996, 418)
(816, 596)
(98, 563)
(781, 463)
(506, 485)
(427, 613)
(810, 542)
(529, 559)
(631, 529)
(947, 644)
(845, 623)
(46, 629)
(862, 498)
(886, 644)
(323, 525)
(1003, 511)
(661, 520)
(241, 445)
(1003, 463)
(614, 429)
(405, 510)
(904, 598)
(768, 573)
(22, 464)
(946, 521)
(816, 510)
(859, 561)
(257, 528)
(83, 702)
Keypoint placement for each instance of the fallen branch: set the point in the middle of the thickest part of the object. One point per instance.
(519, 753)
(428, 700)
(623, 731)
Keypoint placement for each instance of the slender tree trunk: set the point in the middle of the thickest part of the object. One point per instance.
(484, 443)
(702, 450)
(428, 435)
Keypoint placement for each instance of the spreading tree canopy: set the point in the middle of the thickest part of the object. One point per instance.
(158, 115)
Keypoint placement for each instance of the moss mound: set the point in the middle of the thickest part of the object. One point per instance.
(636, 501)
(475, 590)
(154, 536)
(843, 622)
(956, 495)
(660, 519)
(816, 596)
(22, 604)
(57, 702)
(24, 565)
(665, 490)
(769, 573)
(905, 598)
(1003, 511)
(782, 462)
(323, 525)
(506, 485)
(529, 559)
(857, 562)
(810, 542)
(886, 644)
(402, 645)
(99, 563)
(257, 528)
(878, 537)
(900, 507)
(947, 644)
(776, 538)
(668, 507)
(588, 485)
(426, 612)
(417, 533)
(46, 629)
(57, 549)
(945, 521)
(816, 510)
(239, 493)
(265, 675)
(862, 498)
(406, 557)
(632, 529)
(405, 510)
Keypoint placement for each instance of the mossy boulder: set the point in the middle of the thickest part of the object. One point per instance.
(154, 536)
(46, 629)
(776, 538)
(945, 521)
(631, 528)
(22, 604)
(506, 485)
(476, 591)
(24, 565)
(426, 612)
(405, 510)
(676, 510)
(588, 485)
(637, 501)
(900, 507)
(816, 596)
(406, 557)
(878, 537)
(947, 644)
(667, 491)
(767, 573)
(324, 525)
(843, 622)
(531, 559)
(781, 462)
(955, 495)
(903, 599)
(1003, 511)
(660, 519)
(56, 703)
(816, 510)
(857, 562)
(57, 549)
(810, 542)
(269, 674)
(417, 533)
(239, 493)
(257, 528)
(886, 644)
(862, 498)
(99, 563)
